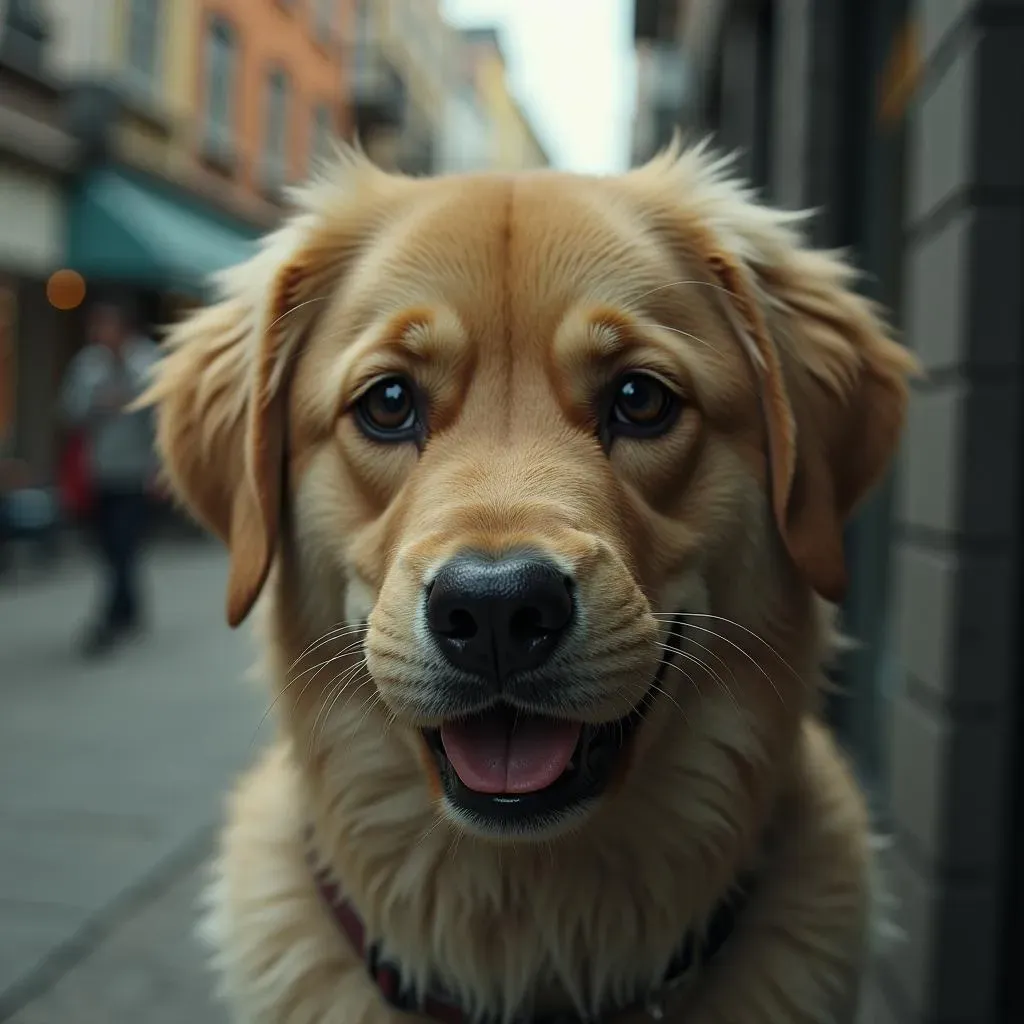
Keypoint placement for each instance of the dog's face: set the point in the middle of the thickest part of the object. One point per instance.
(526, 427)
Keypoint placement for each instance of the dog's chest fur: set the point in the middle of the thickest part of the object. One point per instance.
(281, 957)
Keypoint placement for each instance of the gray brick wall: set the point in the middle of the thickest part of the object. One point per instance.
(959, 514)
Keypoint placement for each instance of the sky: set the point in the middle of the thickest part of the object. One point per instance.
(570, 65)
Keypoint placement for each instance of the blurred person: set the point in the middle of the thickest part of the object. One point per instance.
(103, 380)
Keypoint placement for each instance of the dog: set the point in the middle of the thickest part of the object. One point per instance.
(544, 477)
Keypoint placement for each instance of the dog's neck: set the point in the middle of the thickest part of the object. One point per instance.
(695, 953)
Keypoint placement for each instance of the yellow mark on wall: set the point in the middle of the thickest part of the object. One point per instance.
(901, 75)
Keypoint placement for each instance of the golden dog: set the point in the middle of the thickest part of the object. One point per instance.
(546, 477)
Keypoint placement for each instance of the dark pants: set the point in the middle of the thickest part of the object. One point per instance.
(119, 523)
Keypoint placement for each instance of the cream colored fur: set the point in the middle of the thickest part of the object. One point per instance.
(509, 291)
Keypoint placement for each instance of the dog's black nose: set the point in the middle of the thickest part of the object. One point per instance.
(497, 616)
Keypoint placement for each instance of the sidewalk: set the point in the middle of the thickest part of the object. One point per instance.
(111, 781)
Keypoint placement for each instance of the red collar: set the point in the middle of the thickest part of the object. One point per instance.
(441, 1007)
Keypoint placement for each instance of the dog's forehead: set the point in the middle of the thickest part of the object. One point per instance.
(523, 249)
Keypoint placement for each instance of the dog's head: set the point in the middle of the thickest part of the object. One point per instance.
(532, 432)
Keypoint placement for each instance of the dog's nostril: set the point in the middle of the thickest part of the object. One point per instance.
(526, 625)
(461, 625)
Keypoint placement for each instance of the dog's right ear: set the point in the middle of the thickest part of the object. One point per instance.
(220, 396)
(221, 390)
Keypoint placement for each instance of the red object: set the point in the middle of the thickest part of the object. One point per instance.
(75, 479)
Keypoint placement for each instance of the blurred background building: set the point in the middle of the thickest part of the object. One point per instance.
(903, 124)
(513, 144)
(145, 144)
(38, 157)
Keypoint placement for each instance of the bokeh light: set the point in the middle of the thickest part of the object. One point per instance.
(65, 289)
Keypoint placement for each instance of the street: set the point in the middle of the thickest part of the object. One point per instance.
(112, 775)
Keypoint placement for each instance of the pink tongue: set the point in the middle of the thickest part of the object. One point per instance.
(500, 753)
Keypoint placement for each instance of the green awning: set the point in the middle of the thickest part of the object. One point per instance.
(121, 229)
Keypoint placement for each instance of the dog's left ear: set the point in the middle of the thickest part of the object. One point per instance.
(833, 383)
(833, 389)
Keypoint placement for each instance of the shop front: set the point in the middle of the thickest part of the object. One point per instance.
(36, 158)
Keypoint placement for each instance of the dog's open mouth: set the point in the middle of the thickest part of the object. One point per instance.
(513, 770)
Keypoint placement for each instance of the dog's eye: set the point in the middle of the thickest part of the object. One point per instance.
(642, 405)
(387, 411)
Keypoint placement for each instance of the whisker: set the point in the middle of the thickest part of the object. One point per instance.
(344, 652)
(346, 674)
(453, 846)
(294, 309)
(739, 625)
(274, 703)
(336, 633)
(718, 658)
(427, 833)
(309, 682)
(317, 735)
(668, 696)
(331, 699)
(721, 683)
(390, 721)
(678, 284)
(746, 654)
(683, 334)
(371, 702)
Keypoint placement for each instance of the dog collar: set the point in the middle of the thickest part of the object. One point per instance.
(694, 953)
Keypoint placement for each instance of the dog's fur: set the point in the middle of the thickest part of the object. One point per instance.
(511, 300)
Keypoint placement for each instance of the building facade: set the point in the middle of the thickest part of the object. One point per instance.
(904, 124)
(661, 79)
(380, 92)
(37, 158)
(185, 120)
(514, 142)
(427, 98)
(420, 43)
(269, 89)
(222, 103)
(402, 81)
(468, 134)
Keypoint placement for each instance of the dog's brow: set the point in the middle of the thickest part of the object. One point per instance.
(414, 336)
(418, 333)
(593, 336)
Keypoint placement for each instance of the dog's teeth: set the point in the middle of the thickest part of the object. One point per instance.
(571, 766)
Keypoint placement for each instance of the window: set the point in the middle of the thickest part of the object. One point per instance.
(143, 43)
(275, 143)
(221, 63)
(323, 136)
